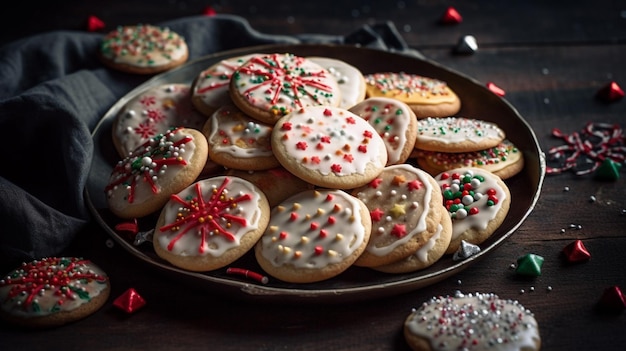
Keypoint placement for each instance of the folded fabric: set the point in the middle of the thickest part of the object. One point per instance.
(54, 90)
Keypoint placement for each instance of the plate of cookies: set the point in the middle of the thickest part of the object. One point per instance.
(312, 172)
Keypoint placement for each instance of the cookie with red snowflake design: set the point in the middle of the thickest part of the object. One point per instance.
(52, 291)
(211, 223)
(152, 112)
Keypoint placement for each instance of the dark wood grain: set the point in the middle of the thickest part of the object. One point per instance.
(549, 57)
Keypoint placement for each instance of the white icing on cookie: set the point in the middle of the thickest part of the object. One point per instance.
(475, 322)
(409, 88)
(209, 217)
(236, 134)
(391, 120)
(452, 130)
(422, 253)
(313, 229)
(154, 112)
(350, 79)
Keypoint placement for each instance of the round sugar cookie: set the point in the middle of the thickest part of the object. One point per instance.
(426, 255)
(209, 90)
(277, 183)
(477, 201)
(142, 182)
(153, 112)
(329, 147)
(427, 97)
(238, 141)
(270, 86)
(394, 121)
(350, 79)
(404, 203)
(504, 160)
(457, 134)
(313, 236)
(143, 49)
(475, 321)
(211, 223)
(52, 291)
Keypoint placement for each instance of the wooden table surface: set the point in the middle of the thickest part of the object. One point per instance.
(549, 57)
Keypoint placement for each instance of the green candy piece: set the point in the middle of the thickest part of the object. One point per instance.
(608, 170)
(530, 265)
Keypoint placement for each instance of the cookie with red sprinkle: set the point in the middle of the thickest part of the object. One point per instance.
(53, 291)
(457, 134)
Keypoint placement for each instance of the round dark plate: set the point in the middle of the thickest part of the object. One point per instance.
(356, 283)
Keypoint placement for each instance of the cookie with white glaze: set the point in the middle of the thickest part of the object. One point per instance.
(394, 121)
(350, 79)
(404, 204)
(270, 86)
(313, 236)
(143, 49)
(277, 183)
(211, 223)
(52, 291)
(457, 134)
(142, 182)
(477, 321)
(151, 112)
(427, 97)
(476, 200)
(238, 141)
(329, 147)
(209, 90)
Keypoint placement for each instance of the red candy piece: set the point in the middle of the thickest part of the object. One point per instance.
(451, 16)
(94, 24)
(130, 301)
(610, 92)
(209, 11)
(495, 89)
(612, 300)
(576, 252)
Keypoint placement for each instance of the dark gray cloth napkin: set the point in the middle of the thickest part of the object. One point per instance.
(53, 91)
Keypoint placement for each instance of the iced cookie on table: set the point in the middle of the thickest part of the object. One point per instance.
(350, 79)
(52, 291)
(209, 90)
(270, 86)
(394, 121)
(143, 49)
(475, 321)
(211, 223)
(153, 112)
(142, 182)
(329, 147)
(313, 236)
(405, 206)
(457, 134)
(277, 183)
(238, 141)
(477, 201)
(504, 160)
(427, 97)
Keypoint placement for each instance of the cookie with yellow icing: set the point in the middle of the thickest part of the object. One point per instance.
(211, 223)
(428, 97)
(143, 49)
(313, 236)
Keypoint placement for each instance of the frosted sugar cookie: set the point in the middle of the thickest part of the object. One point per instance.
(153, 112)
(143, 49)
(457, 134)
(277, 183)
(476, 200)
(271, 86)
(238, 141)
(329, 147)
(504, 160)
(405, 205)
(52, 291)
(427, 97)
(209, 90)
(211, 223)
(142, 182)
(394, 121)
(475, 321)
(350, 79)
(314, 235)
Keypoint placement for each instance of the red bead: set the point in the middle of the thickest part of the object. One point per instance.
(610, 92)
(444, 176)
(576, 252)
(473, 211)
(130, 301)
(451, 16)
